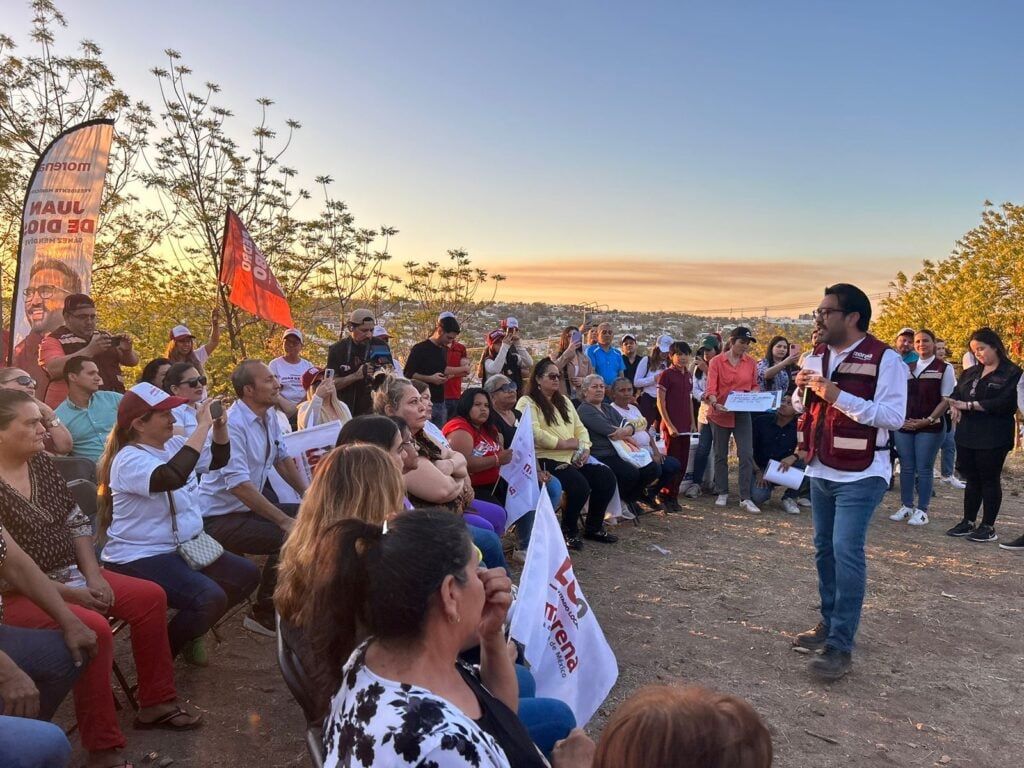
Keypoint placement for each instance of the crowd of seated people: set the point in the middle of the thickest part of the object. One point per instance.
(415, 480)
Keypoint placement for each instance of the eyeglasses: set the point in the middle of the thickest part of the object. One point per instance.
(86, 316)
(23, 381)
(43, 291)
(552, 376)
(199, 381)
(823, 313)
(508, 388)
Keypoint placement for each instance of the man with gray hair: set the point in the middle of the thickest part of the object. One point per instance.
(239, 507)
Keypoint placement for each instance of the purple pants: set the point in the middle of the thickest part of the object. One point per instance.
(484, 514)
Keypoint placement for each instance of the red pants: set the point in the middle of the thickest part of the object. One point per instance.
(677, 447)
(143, 605)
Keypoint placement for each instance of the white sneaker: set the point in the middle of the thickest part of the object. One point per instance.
(937, 475)
(748, 506)
(955, 482)
(790, 506)
(722, 499)
(803, 501)
(901, 514)
(692, 492)
(920, 517)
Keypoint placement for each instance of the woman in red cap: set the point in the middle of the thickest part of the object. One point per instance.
(322, 403)
(149, 507)
(38, 511)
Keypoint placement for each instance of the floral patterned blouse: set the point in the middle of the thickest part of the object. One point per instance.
(381, 723)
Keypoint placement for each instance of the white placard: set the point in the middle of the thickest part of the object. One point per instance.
(791, 478)
(753, 402)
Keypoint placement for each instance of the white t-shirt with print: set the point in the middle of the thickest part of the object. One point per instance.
(290, 376)
(141, 524)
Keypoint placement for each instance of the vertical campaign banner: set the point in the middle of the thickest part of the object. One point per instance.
(521, 472)
(245, 270)
(58, 233)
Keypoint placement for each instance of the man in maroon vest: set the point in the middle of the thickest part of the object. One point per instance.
(856, 395)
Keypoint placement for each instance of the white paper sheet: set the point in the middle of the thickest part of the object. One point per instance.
(791, 478)
(753, 402)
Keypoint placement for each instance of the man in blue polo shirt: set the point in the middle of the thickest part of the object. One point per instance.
(607, 361)
(88, 413)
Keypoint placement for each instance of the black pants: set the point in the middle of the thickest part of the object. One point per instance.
(981, 469)
(246, 533)
(580, 483)
(631, 478)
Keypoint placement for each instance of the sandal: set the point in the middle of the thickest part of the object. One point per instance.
(166, 721)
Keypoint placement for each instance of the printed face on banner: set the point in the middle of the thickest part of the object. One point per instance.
(59, 223)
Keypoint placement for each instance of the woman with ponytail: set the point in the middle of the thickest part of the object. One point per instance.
(417, 591)
(146, 473)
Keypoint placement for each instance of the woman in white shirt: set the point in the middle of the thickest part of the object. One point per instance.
(646, 380)
(148, 488)
(184, 382)
(930, 382)
(322, 404)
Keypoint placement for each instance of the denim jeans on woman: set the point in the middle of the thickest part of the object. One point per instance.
(917, 452)
(700, 458)
(201, 597)
(546, 720)
(841, 514)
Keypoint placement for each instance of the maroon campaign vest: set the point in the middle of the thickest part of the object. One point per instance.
(924, 392)
(826, 432)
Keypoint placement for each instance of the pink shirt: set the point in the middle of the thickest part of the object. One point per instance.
(723, 378)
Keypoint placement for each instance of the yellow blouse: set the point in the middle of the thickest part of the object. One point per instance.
(546, 436)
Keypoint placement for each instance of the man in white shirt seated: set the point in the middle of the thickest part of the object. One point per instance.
(239, 508)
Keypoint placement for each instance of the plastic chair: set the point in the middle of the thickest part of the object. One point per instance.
(75, 468)
(298, 683)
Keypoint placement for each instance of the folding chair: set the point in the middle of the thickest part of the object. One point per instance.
(298, 683)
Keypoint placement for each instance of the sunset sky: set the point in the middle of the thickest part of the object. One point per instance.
(682, 156)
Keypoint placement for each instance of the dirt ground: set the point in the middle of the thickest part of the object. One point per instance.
(937, 677)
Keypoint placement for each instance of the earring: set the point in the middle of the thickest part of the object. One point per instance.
(454, 619)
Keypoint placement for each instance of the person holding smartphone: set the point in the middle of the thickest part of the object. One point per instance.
(505, 355)
(572, 362)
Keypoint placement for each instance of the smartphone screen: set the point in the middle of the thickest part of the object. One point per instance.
(329, 373)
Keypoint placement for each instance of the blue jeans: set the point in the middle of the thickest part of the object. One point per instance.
(700, 459)
(546, 720)
(948, 453)
(841, 514)
(42, 655)
(201, 597)
(439, 413)
(26, 743)
(917, 452)
(490, 547)
(761, 495)
(669, 467)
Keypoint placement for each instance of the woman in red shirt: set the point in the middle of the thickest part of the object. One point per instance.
(472, 434)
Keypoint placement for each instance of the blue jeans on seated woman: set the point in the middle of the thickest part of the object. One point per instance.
(201, 597)
(490, 547)
(42, 655)
(546, 720)
(27, 743)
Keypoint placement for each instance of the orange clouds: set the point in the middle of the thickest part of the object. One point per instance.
(653, 283)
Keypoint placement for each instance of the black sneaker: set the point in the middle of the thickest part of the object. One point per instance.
(812, 639)
(832, 664)
(603, 536)
(574, 543)
(982, 534)
(961, 529)
(1017, 543)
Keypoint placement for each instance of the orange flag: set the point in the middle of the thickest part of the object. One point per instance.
(253, 286)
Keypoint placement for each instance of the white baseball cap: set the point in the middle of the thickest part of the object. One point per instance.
(380, 330)
(443, 315)
(293, 332)
(664, 342)
(509, 322)
(179, 332)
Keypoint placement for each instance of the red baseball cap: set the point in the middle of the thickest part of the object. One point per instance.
(141, 399)
(310, 376)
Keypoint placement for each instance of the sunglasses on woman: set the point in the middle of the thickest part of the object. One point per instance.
(199, 381)
(552, 376)
(23, 381)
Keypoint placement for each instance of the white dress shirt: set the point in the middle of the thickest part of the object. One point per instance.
(887, 411)
(255, 447)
